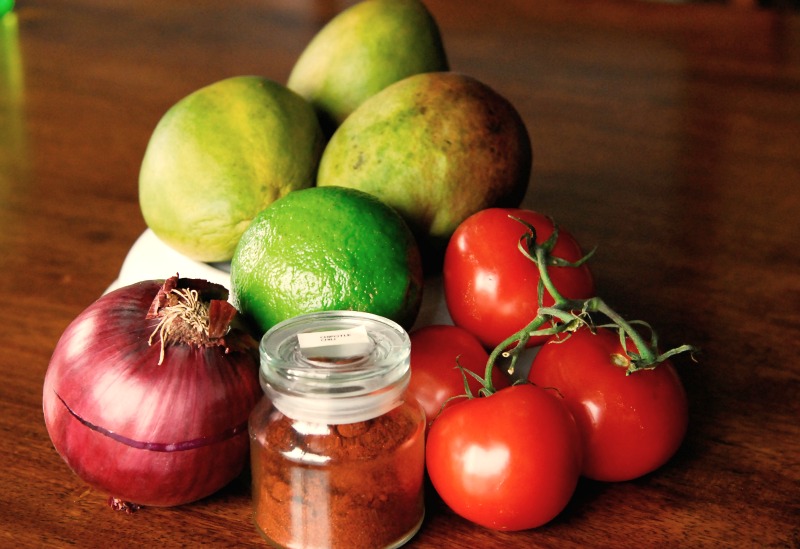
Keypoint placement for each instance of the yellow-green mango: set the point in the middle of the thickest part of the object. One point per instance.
(437, 147)
(361, 51)
(221, 155)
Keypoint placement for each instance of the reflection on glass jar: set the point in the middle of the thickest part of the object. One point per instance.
(337, 449)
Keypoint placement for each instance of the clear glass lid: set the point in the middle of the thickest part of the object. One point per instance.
(335, 367)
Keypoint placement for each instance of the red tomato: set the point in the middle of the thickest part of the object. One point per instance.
(630, 425)
(490, 287)
(509, 461)
(435, 379)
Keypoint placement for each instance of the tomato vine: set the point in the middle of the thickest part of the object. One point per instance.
(567, 315)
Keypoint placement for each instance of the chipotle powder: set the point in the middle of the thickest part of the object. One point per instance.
(337, 452)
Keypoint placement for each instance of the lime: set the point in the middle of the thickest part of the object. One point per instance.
(322, 249)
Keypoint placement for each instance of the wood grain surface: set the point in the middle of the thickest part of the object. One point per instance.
(667, 135)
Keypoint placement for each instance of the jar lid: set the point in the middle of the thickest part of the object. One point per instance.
(335, 366)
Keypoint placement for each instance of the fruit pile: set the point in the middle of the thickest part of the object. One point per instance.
(370, 106)
(373, 167)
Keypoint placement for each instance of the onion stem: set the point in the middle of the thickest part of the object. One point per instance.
(187, 311)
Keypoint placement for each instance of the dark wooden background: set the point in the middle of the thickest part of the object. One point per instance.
(664, 134)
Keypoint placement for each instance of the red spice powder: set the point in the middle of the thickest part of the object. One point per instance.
(338, 486)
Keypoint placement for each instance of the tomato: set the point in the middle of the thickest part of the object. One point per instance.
(630, 425)
(490, 287)
(435, 378)
(509, 461)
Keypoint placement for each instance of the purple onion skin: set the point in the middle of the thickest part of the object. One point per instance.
(150, 434)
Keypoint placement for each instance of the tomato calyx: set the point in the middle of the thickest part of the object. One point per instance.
(487, 386)
(567, 315)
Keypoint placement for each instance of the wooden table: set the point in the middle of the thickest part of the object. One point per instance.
(666, 135)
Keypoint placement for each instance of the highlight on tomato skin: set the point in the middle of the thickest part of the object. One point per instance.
(490, 286)
(630, 425)
(509, 461)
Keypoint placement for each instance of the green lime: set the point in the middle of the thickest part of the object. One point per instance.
(322, 249)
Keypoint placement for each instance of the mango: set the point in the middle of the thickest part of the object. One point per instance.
(437, 147)
(361, 51)
(221, 155)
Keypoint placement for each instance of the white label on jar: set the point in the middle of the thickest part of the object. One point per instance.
(335, 343)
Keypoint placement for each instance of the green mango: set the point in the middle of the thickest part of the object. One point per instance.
(361, 51)
(221, 155)
(437, 147)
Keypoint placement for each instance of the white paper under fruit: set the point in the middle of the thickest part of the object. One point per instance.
(151, 259)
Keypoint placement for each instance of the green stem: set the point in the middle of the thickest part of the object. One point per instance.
(520, 339)
(544, 276)
(646, 354)
(567, 315)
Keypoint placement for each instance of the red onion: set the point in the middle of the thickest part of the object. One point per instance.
(148, 392)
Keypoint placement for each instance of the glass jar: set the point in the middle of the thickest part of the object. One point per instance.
(337, 451)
